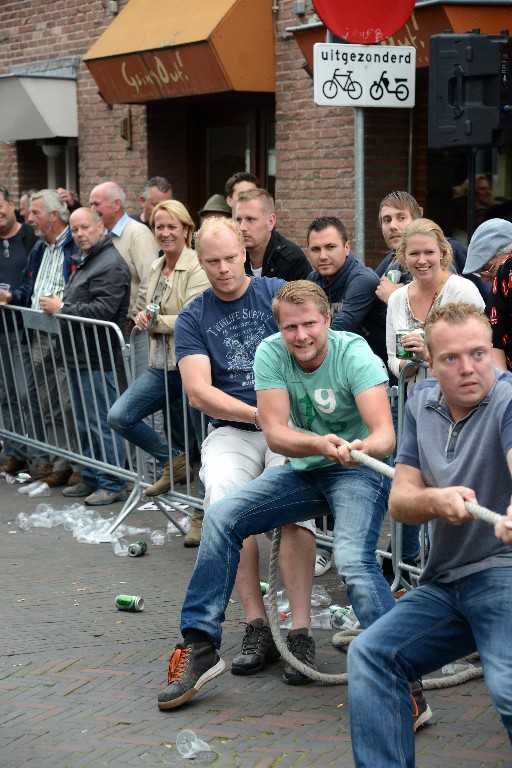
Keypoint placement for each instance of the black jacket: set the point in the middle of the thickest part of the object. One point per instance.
(354, 305)
(282, 259)
(99, 288)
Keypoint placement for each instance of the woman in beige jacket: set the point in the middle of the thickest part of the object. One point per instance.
(175, 279)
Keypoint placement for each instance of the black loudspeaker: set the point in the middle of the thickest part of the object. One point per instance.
(470, 91)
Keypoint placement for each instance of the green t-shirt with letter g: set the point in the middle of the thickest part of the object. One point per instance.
(322, 402)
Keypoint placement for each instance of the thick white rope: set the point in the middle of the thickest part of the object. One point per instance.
(344, 637)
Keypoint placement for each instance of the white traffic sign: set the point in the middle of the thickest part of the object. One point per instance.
(364, 75)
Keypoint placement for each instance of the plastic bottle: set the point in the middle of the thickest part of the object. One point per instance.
(283, 606)
(40, 521)
(320, 618)
(319, 597)
(23, 522)
(285, 620)
(120, 547)
(343, 617)
(42, 490)
(158, 538)
(460, 665)
(30, 487)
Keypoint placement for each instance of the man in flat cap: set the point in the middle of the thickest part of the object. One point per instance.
(489, 256)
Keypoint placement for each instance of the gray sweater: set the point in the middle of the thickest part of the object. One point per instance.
(470, 452)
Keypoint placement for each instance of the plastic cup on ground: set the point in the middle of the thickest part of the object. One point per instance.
(189, 745)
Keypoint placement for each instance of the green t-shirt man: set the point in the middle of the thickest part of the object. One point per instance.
(323, 401)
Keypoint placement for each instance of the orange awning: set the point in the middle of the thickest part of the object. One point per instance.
(161, 49)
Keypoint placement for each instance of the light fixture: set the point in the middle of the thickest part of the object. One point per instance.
(52, 150)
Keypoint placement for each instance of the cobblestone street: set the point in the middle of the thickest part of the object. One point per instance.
(79, 679)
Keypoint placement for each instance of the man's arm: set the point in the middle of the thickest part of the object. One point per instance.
(373, 405)
(385, 288)
(412, 502)
(196, 374)
(274, 412)
(358, 301)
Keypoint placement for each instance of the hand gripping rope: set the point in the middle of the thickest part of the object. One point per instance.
(445, 682)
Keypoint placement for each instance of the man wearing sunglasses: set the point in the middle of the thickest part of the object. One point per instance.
(489, 257)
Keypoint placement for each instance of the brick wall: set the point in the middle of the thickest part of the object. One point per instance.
(386, 168)
(314, 145)
(315, 151)
(37, 30)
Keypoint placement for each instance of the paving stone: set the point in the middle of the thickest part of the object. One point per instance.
(79, 679)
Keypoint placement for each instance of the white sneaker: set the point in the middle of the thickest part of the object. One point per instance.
(322, 563)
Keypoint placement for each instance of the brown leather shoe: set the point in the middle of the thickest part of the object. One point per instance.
(12, 465)
(41, 470)
(57, 477)
(75, 479)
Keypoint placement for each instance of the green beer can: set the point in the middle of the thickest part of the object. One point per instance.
(402, 352)
(130, 603)
(138, 549)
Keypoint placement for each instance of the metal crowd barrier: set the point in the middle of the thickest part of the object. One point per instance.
(396, 394)
(400, 568)
(54, 366)
(59, 373)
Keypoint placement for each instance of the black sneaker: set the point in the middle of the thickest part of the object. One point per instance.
(421, 712)
(258, 648)
(303, 648)
(190, 667)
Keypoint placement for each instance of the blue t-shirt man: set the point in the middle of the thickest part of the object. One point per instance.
(229, 332)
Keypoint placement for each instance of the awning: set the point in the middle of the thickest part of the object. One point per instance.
(161, 49)
(37, 108)
(430, 17)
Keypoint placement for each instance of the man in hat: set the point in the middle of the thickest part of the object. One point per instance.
(489, 255)
(215, 206)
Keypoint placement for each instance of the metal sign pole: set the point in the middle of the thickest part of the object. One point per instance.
(359, 182)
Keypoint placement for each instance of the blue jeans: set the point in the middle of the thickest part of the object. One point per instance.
(429, 627)
(97, 441)
(17, 390)
(356, 497)
(144, 396)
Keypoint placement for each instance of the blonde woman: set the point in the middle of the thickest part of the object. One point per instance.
(426, 254)
(175, 279)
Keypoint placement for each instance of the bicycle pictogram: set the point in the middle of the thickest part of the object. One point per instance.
(377, 89)
(342, 81)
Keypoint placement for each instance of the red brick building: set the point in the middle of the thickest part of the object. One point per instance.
(199, 90)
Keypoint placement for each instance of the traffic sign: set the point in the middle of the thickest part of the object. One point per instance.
(364, 75)
(364, 21)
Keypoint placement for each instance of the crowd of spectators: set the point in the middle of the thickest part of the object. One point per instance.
(289, 356)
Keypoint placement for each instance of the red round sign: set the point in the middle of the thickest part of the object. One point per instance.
(364, 21)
